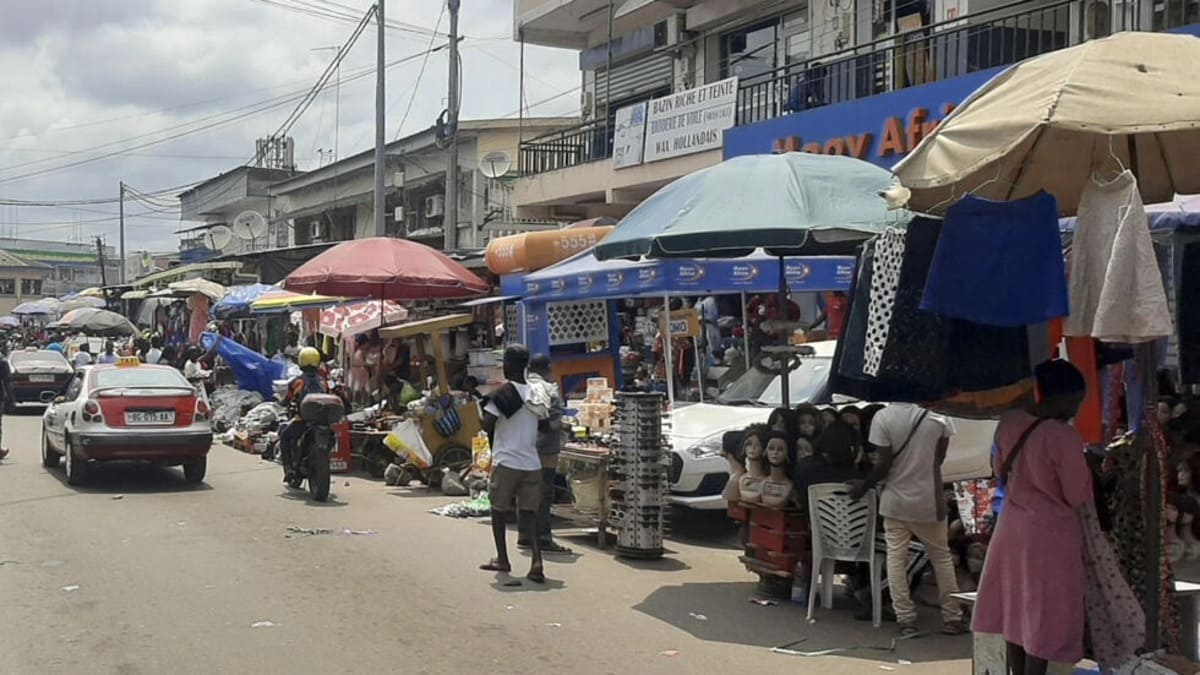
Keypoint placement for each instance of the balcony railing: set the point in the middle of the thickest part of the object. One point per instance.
(997, 37)
(588, 142)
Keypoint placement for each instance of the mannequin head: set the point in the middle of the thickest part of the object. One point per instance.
(778, 451)
(733, 451)
(852, 416)
(804, 448)
(783, 420)
(753, 444)
(829, 415)
(808, 421)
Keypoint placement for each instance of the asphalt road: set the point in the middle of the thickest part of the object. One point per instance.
(139, 572)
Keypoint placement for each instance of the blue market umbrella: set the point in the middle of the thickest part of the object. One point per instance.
(789, 204)
(237, 301)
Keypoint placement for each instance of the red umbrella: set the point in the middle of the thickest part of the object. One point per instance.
(388, 269)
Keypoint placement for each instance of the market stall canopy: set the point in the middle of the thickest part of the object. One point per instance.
(135, 295)
(97, 322)
(586, 277)
(237, 300)
(282, 302)
(212, 289)
(788, 204)
(383, 268)
(36, 308)
(80, 301)
(9, 321)
(1131, 100)
(93, 291)
(359, 317)
(427, 326)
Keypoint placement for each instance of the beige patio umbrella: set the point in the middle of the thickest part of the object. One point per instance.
(1131, 100)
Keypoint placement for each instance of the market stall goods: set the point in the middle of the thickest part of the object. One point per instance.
(639, 473)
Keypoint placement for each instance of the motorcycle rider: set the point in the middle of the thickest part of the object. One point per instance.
(310, 381)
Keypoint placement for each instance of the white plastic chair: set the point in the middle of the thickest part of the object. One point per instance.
(843, 529)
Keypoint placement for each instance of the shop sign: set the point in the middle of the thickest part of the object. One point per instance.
(879, 129)
(646, 277)
(690, 273)
(685, 323)
(690, 121)
(744, 273)
(630, 135)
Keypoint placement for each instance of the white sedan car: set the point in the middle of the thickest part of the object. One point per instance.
(128, 411)
(699, 472)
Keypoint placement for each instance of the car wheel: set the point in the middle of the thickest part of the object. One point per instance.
(50, 457)
(194, 469)
(76, 468)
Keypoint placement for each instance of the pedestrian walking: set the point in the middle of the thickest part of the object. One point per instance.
(516, 480)
(911, 445)
(549, 444)
(5, 393)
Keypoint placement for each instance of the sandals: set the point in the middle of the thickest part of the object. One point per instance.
(536, 576)
(495, 566)
(555, 547)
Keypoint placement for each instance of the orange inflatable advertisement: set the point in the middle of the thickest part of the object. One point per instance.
(532, 251)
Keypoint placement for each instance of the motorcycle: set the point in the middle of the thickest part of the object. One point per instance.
(320, 412)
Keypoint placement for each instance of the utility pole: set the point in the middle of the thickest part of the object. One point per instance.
(120, 201)
(380, 69)
(450, 220)
(100, 257)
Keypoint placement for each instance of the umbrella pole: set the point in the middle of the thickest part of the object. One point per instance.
(784, 389)
(745, 333)
(666, 338)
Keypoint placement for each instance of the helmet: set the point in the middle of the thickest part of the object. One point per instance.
(310, 357)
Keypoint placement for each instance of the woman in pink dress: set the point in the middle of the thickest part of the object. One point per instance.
(1032, 590)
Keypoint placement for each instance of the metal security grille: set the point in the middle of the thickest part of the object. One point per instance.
(575, 322)
(512, 323)
(635, 79)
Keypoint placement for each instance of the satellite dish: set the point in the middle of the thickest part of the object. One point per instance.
(250, 225)
(217, 238)
(495, 164)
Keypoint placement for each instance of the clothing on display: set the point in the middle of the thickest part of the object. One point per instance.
(889, 257)
(1116, 624)
(1116, 288)
(999, 263)
(1187, 305)
(915, 347)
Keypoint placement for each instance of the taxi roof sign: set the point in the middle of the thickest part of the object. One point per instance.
(127, 361)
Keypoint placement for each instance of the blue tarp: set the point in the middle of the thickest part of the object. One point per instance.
(586, 277)
(237, 301)
(254, 372)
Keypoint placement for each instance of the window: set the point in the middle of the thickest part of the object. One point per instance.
(74, 388)
(8, 287)
(748, 52)
(31, 287)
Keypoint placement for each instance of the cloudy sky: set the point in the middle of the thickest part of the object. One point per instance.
(162, 93)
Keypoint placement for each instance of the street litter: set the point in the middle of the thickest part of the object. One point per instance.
(669, 652)
(363, 532)
(787, 650)
(471, 508)
(763, 603)
(508, 607)
(116, 497)
(554, 624)
(71, 588)
(262, 624)
(886, 668)
(294, 531)
(698, 617)
(904, 662)
(9, 562)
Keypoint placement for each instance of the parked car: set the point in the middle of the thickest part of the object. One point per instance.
(37, 376)
(699, 473)
(128, 411)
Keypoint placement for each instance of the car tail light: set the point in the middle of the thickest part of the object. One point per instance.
(202, 410)
(91, 412)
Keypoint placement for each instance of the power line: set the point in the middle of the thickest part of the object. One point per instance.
(212, 121)
(421, 72)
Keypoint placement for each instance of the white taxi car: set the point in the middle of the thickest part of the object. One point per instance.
(128, 411)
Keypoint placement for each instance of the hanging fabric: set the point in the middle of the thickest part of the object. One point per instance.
(889, 255)
(1116, 288)
(999, 263)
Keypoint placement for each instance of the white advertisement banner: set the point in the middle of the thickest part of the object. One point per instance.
(630, 135)
(690, 121)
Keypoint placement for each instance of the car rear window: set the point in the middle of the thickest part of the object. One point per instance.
(140, 376)
(37, 359)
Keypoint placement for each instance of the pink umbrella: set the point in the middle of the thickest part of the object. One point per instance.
(360, 317)
(387, 269)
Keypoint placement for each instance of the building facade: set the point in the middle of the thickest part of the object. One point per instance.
(867, 79)
(68, 267)
(21, 280)
(233, 211)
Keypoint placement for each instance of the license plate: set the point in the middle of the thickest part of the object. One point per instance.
(41, 378)
(150, 417)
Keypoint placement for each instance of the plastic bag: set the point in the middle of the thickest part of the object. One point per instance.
(405, 439)
(481, 453)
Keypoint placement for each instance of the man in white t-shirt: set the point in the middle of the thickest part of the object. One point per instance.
(912, 444)
(83, 357)
(516, 467)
